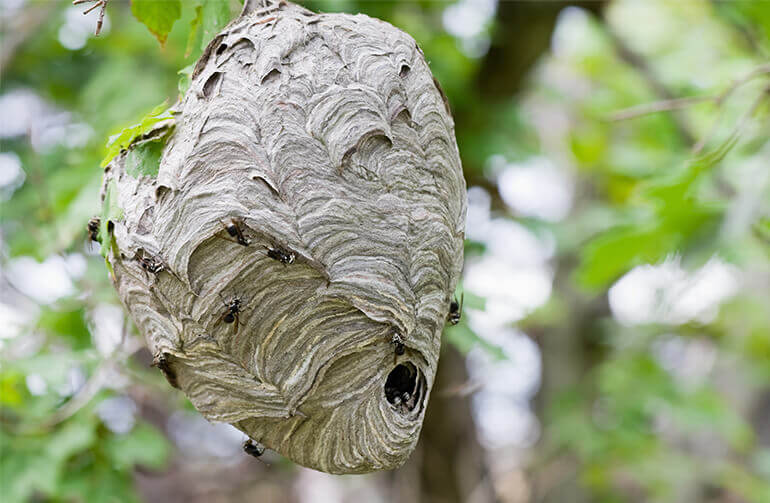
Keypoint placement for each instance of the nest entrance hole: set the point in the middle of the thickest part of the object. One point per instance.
(404, 387)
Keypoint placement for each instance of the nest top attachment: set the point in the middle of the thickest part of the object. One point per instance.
(293, 261)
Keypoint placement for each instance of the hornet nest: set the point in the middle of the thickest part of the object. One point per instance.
(292, 254)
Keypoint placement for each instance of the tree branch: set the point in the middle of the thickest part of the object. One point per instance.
(97, 3)
(741, 122)
(680, 103)
(638, 62)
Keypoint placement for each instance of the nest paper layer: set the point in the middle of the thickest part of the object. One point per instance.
(324, 136)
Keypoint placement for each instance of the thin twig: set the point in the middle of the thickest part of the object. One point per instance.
(659, 106)
(97, 3)
(679, 103)
(638, 62)
(741, 122)
(760, 70)
(461, 390)
(710, 133)
(756, 72)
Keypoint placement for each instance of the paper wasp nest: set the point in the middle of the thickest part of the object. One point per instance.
(292, 262)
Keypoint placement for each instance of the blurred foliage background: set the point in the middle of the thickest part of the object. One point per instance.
(615, 345)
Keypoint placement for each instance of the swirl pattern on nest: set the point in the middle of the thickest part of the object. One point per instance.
(326, 137)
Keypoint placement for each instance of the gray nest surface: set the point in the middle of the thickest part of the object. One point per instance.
(292, 263)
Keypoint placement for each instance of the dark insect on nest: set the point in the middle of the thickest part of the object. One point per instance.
(455, 310)
(253, 448)
(163, 362)
(150, 264)
(234, 230)
(281, 255)
(93, 228)
(398, 345)
(232, 314)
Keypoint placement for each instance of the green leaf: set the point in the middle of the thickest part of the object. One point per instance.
(66, 321)
(23, 472)
(127, 136)
(32, 463)
(144, 159)
(672, 217)
(77, 434)
(471, 300)
(110, 212)
(465, 339)
(613, 253)
(185, 79)
(97, 482)
(194, 26)
(144, 445)
(11, 388)
(216, 15)
(761, 230)
(157, 15)
(70, 224)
